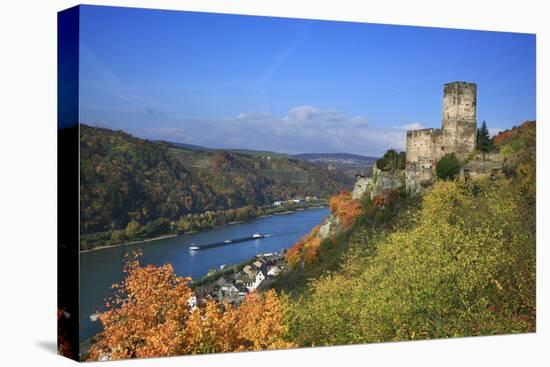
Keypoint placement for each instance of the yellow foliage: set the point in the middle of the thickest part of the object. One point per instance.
(466, 267)
(150, 317)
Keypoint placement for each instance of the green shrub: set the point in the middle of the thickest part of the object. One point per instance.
(448, 167)
(119, 236)
(133, 229)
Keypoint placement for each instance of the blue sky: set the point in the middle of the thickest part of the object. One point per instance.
(290, 85)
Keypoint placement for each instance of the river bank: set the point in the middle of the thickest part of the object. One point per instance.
(130, 243)
(110, 243)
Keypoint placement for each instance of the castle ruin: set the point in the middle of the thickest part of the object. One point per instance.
(457, 135)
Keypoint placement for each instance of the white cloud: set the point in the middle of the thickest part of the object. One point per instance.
(303, 129)
(413, 126)
(252, 116)
(302, 113)
(493, 131)
(359, 120)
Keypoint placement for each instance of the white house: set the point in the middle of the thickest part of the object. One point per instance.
(260, 276)
(274, 271)
(258, 264)
(242, 279)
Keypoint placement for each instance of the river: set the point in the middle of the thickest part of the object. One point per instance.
(101, 268)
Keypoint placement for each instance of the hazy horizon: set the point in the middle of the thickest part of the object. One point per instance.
(290, 85)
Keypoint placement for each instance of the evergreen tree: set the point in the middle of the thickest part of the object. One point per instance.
(484, 142)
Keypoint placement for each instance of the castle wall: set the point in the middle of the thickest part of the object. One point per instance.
(362, 184)
(483, 164)
(424, 143)
(419, 175)
(458, 135)
(459, 118)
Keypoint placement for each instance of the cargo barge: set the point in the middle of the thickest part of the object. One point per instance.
(255, 236)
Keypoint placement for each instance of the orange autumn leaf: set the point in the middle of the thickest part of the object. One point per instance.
(149, 316)
(345, 207)
(308, 247)
(304, 246)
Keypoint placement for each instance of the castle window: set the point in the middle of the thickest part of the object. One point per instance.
(442, 149)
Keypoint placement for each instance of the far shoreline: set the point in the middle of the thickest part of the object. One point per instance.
(191, 232)
(132, 243)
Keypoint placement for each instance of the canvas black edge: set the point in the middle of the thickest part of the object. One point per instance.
(68, 26)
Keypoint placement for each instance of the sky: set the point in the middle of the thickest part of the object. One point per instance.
(290, 85)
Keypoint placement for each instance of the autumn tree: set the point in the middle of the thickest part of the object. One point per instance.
(506, 136)
(146, 316)
(345, 207)
(257, 324)
(306, 249)
(150, 316)
(260, 323)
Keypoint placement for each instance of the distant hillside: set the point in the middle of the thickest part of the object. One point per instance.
(351, 164)
(323, 156)
(124, 178)
(259, 153)
(254, 153)
(185, 145)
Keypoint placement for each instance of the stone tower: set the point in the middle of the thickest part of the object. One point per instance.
(425, 147)
(459, 118)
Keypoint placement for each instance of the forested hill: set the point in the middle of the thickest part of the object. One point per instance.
(457, 261)
(123, 178)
